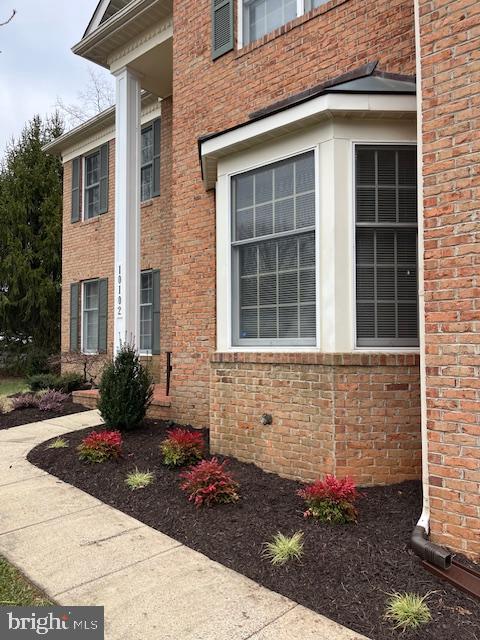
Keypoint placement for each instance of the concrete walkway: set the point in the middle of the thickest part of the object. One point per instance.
(81, 551)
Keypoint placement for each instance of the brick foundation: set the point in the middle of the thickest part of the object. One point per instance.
(353, 414)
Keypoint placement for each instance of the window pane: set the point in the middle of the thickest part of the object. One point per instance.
(92, 204)
(263, 16)
(386, 256)
(146, 288)
(147, 146)
(146, 182)
(92, 166)
(275, 290)
(278, 302)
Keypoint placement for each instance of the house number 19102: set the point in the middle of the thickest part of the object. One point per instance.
(119, 297)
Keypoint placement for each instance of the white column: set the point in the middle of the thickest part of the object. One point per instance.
(127, 209)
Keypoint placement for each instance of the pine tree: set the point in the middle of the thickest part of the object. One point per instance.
(30, 239)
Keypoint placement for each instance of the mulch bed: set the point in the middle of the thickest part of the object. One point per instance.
(24, 416)
(345, 573)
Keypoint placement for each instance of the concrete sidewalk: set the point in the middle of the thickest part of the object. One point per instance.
(81, 551)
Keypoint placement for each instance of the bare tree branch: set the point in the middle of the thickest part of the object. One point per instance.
(97, 96)
(2, 24)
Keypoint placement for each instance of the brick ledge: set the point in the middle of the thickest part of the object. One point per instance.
(325, 359)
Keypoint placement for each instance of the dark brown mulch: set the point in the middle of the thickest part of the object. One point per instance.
(346, 571)
(24, 416)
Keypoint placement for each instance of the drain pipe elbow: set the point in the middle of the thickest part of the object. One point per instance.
(426, 550)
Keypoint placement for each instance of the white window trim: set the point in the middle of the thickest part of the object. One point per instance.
(82, 328)
(225, 267)
(84, 181)
(301, 10)
(353, 275)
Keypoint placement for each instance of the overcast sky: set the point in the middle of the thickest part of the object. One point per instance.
(36, 62)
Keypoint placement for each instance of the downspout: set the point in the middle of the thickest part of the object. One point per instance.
(420, 544)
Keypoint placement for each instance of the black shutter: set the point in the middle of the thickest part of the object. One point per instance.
(102, 314)
(222, 27)
(156, 313)
(76, 166)
(103, 178)
(74, 315)
(156, 157)
(386, 246)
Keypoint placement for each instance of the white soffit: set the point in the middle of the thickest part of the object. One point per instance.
(297, 117)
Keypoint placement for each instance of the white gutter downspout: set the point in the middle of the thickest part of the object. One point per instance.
(426, 550)
(425, 517)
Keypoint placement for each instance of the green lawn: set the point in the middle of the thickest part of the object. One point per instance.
(16, 590)
(8, 386)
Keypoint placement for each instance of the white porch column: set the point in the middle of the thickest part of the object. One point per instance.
(127, 209)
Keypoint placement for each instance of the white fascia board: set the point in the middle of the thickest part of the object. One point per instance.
(296, 117)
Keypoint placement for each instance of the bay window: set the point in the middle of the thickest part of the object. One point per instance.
(273, 253)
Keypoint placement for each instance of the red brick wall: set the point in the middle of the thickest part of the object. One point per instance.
(346, 414)
(89, 251)
(450, 41)
(211, 96)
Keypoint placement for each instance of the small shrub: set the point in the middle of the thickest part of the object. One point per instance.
(139, 479)
(42, 381)
(69, 382)
(66, 384)
(125, 390)
(25, 401)
(51, 400)
(99, 446)
(284, 548)
(207, 483)
(182, 447)
(407, 610)
(58, 443)
(331, 500)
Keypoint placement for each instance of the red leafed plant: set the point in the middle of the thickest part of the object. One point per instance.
(182, 447)
(207, 483)
(99, 446)
(331, 500)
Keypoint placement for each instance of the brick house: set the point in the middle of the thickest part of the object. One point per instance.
(252, 210)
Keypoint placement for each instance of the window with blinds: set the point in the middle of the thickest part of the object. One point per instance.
(273, 244)
(386, 246)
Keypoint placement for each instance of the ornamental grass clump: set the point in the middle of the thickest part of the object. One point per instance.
(182, 447)
(331, 500)
(139, 479)
(100, 446)
(208, 483)
(58, 443)
(408, 610)
(284, 548)
(126, 390)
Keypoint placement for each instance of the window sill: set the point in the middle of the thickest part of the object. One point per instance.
(145, 354)
(146, 204)
(293, 24)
